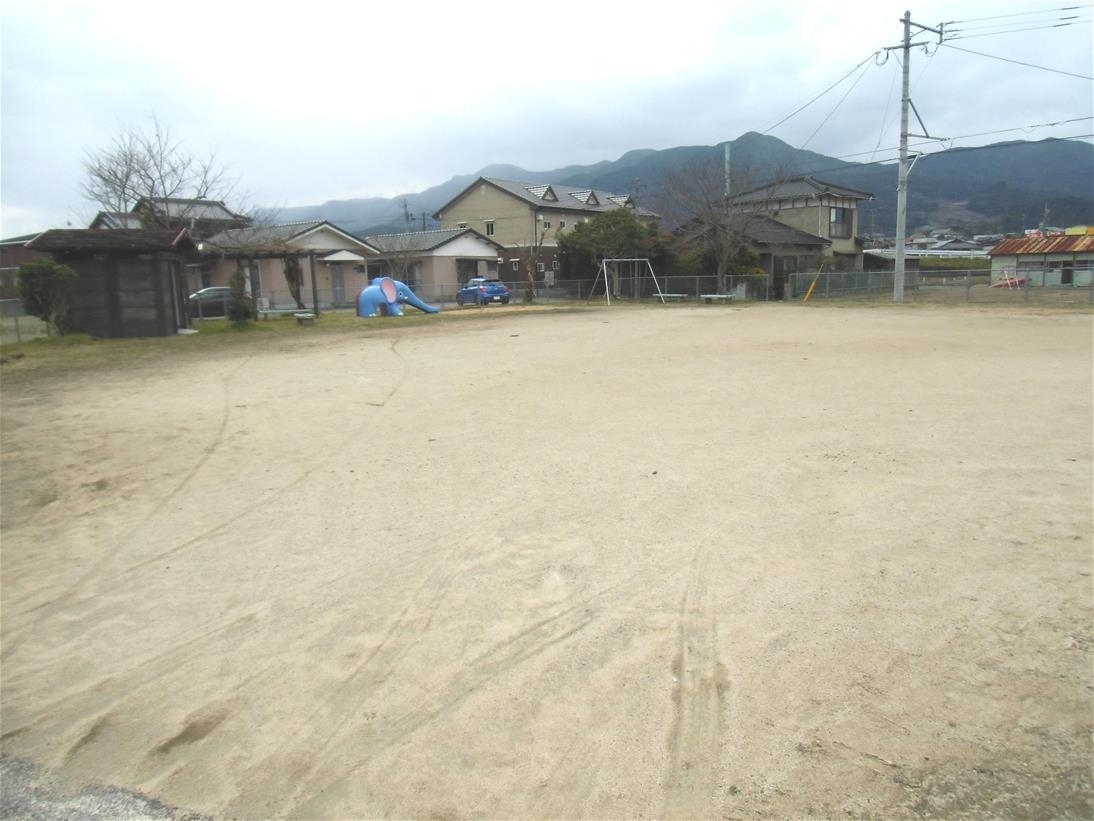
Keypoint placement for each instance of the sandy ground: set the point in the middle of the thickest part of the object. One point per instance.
(684, 562)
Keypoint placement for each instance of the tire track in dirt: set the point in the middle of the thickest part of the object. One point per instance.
(267, 498)
(327, 772)
(695, 741)
(146, 673)
(124, 541)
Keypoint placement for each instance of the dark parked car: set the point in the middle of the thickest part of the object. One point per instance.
(483, 292)
(211, 302)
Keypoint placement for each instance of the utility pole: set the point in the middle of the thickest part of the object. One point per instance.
(727, 147)
(902, 179)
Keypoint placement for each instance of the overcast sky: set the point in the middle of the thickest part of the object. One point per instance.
(316, 101)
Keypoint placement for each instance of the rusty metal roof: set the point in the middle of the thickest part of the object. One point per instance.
(1066, 244)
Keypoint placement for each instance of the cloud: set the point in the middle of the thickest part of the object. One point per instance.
(329, 100)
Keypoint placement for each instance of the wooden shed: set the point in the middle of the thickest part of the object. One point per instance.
(131, 281)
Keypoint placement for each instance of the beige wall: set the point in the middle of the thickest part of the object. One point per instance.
(813, 218)
(512, 217)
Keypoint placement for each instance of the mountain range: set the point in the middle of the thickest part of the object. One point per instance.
(1001, 187)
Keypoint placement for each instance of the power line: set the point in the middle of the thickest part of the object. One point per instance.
(1016, 31)
(885, 116)
(1018, 14)
(959, 149)
(969, 136)
(817, 97)
(1014, 24)
(1017, 62)
(835, 107)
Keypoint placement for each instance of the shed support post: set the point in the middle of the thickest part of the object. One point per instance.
(314, 287)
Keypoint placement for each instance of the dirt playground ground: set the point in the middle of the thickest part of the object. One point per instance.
(678, 562)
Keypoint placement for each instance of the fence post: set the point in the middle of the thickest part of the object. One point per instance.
(18, 336)
(968, 286)
(1025, 288)
(869, 285)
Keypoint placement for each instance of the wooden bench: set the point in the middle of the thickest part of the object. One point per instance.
(709, 298)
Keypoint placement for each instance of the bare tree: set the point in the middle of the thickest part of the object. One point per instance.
(706, 219)
(151, 164)
(708, 215)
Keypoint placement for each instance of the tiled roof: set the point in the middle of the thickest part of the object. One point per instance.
(116, 219)
(273, 238)
(564, 197)
(184, 208)
(263, 236)
(123, 239)
(767, 231)
(798, 188)
(419, 240)
(1066, 244)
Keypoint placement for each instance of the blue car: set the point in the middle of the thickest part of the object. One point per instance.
(480, 291)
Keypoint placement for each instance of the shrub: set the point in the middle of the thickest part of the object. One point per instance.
(239, 309)
(44, 287)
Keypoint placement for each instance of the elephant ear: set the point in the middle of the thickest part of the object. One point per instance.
(391, 293)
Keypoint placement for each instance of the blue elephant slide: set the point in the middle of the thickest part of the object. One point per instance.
(387, 296)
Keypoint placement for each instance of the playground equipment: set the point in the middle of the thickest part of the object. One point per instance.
(386, 295)
(609, 270)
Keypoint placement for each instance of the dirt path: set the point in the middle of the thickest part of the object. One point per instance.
(688, 562)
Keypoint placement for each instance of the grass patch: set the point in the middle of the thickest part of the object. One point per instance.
(216, 337)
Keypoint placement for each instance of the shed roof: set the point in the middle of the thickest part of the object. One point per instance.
(797, 188)
(20, 240)
(1065, 244)
(422, 240)
(74, 240)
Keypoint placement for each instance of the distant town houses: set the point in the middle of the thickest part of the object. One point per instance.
(527, 219)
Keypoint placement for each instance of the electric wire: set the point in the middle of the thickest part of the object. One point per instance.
(959, 149)
(801, 108)
(1019, 14)
(885, 116)
(1016, 31)
(835, 108)
(965, 29)
(1026, 128)
(1018, 62)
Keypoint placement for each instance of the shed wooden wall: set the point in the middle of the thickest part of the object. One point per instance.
(123, 296)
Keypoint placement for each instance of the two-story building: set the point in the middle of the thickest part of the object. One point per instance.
(823, 209)
(527, 219)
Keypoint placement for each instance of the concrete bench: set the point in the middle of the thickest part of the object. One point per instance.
(304, 318)
(709, 298)
(675, 296)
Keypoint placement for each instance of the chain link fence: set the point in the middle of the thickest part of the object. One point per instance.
(971, 286)
(952, 287)
(16, 325)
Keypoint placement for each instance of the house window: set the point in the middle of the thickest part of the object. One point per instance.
(539, 267)
(516, 264)
(489, 228)
(547, 225)
(839, 223)
(561, 224)
(554, 264)
(461, 224)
